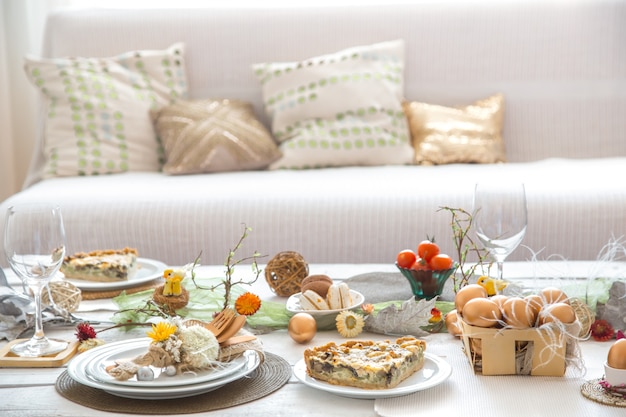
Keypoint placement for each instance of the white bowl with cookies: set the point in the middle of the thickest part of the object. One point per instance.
(323, 299)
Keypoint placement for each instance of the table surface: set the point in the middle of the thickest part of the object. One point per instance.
(31, 391)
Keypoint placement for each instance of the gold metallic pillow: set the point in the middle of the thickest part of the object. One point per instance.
(448, 135)
(213, 136)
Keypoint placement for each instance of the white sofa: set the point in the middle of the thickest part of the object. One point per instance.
(561, 67)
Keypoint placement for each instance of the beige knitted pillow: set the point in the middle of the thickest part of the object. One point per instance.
(448, 135)
(213, 136)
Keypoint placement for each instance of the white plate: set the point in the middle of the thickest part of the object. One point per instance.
(434, 372)
(325, 318)
(148, 270)
(77, 371)
(96, 368)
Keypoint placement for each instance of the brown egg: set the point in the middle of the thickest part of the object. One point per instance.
(557, 312)
(535, 302)
(452, 324)
(482, 312)
(553, 295)
(302, 327)
(467, 293)
(617, 355)
(517, 314)
(499, 299)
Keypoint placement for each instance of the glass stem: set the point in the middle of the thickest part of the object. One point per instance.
(39, 334)
(500, 267)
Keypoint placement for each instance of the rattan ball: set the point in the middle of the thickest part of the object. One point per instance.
(64, 294)
(285, 271)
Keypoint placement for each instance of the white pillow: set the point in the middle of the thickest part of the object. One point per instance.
(97, 109)
(339, 109)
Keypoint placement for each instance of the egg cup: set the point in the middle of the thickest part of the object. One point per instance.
(615, 377)
(426, 284)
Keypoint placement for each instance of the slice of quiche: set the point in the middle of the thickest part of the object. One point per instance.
(366, 364)
(110, 265)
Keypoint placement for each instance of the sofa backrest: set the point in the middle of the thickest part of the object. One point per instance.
(561, 65)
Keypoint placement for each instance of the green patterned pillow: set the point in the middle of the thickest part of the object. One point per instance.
(339, 109)
(97, 109)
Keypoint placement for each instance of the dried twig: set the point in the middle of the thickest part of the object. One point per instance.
(231, 263)
(461, 224)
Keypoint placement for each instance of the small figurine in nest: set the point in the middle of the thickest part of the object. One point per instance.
(172, 294)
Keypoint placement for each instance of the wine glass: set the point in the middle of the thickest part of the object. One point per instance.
(34, 243)
(500, 218)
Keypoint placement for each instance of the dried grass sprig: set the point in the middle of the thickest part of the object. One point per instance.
(465, 246)
(231, 262)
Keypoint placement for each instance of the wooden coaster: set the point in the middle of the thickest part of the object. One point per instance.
(10, 360)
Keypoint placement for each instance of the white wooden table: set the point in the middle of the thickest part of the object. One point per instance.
(31, 391)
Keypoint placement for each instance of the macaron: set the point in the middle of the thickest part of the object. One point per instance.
(317, 283)
(310, 300)
(339, 296)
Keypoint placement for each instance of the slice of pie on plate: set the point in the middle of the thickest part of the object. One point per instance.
(366, 364)
(112, 265)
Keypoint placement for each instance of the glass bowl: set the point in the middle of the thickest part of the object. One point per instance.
(426, 284)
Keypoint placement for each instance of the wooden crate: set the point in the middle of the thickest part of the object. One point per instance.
(499, 349)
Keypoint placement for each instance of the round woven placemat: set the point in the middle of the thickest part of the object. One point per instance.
(271, 375)
(594, 391)
(97, 295)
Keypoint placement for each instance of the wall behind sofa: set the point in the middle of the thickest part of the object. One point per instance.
(21, 30)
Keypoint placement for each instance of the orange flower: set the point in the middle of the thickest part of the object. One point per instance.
(247, 304)
(367, 308)
(435, 314)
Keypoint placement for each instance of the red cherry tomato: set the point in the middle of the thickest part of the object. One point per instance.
(406, 258)
(420, 265)
(427, 249)
(440, 262)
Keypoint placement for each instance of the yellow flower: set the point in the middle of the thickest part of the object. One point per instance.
(349, 323)
(247, 304)
(161, 331)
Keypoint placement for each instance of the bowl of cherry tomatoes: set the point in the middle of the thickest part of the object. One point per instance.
(427, 270)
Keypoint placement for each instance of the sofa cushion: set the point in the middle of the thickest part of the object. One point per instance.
(339, 109)
(213, 136)
(97, 109)
(446, 135)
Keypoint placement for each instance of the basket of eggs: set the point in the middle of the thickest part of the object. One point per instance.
(508, 335)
